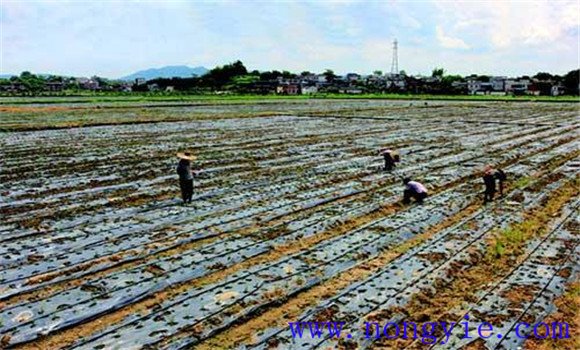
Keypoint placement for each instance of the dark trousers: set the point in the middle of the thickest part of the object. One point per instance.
(488, 195)
(489, 182)
(408, 194)
(186, 189)
(389, 163)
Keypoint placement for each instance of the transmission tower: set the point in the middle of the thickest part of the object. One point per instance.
(395, 63)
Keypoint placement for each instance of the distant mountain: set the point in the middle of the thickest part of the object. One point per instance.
(6, 76)
(167, 72)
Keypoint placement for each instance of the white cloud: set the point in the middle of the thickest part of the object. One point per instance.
(340, 23)
(449, 41)
(113, 38)
(505, 24)
(409, 21)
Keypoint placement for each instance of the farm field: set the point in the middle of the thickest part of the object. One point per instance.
(293, 220)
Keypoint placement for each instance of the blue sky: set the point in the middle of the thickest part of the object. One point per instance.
(115, 38)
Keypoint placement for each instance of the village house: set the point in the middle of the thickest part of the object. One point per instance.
(544, 87)
(288, 89)
(374, 78)
(262, 87)
(459, 86)
(125, 87)
(504, 85)
(351, 91)
(321, 78)
(477, 87)
(153, 87)
(557, 90)
(88, 84)
(516, 86)
(309, 90)
(396, 81)
(352, 77)
(535, 89)
(497, 83)
(56, 86)
(13, 87)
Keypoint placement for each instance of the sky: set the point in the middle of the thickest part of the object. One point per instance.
(115, 38)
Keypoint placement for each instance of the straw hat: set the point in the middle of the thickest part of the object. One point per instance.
(488, 170)
(185, 155)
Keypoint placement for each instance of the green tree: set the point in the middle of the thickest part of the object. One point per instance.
(32, 83)
(220, 76)
(447, 84)
(273, 75)
(103, 82)
(438, 73)
(572, 81)
(329, 75)
(245, 79)
(449, 79)
(55, 79)
(543, 76)
(287, 75)
(378, 72)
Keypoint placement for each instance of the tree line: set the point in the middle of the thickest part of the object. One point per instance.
(235, 77)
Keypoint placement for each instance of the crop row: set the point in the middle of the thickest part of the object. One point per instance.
(95, 245)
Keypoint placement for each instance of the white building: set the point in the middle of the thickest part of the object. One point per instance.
(557, 90)
(479, 87)
(309, 90)
(497, 83)
(516, 86)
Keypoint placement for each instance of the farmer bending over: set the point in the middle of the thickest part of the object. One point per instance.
(391, 158)
(415, 190)
(185, 176)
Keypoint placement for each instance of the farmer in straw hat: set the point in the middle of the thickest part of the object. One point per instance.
(185, 175)
(391, 158)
